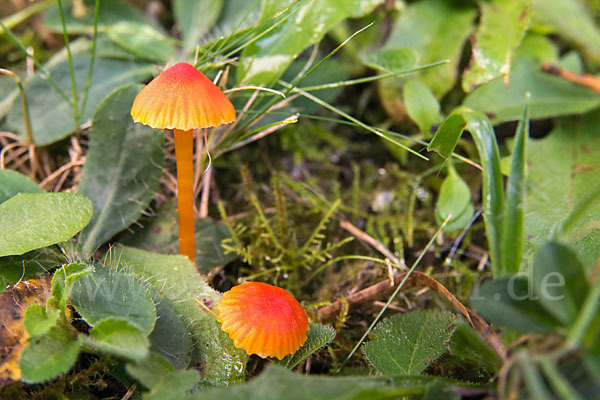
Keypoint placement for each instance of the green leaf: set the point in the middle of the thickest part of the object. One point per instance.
(501, 28)
(436, 30)
(122, 170)
(175, 278)
(512, 244)
(119, 338)
(317, 337)
(407, 343)
(37, 322)
(13, 183)
(276, 383)
(161, 234)
(455, 200)
(143, 41)
(573, 21)
(195, 18)
(31, 221)
(492, 189)
(559, 281)
(511, 302)
(48, 356)
(468, 345)
(421, 105)
(447, 135)
(266, 59)
(174, 386)
(391, 60)
(170, 338)
(106, 293)
(63, 280)
(51, 116)
(150, 370)
(563, 172)
(551, 96)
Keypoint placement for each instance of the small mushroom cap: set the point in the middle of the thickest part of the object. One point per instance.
(182, 98)
(263, 319)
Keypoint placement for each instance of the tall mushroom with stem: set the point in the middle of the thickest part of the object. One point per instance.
(183, 99)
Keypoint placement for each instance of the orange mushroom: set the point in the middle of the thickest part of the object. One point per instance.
(183, 99)
(263, 319)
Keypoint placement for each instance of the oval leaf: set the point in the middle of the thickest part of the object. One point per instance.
(31, 221)
(122, 169)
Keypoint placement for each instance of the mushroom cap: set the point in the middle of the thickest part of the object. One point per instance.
(182, 98)
(263, 319)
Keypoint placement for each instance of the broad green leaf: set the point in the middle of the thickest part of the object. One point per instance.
(150, 370)
(31, 221)
(160, 234)
(122, 170)
(13, 183)
(447, 135)
(551, 96)
(266, 59)
(468, 345)
(454, 199)
(492, 192)
(276, 383)
(170, 338)
(119, 338)
(563, 171)
(501, 28)
(573, 21)
(48, 356)
(37, 321)
(317, 337)
(110, 12)
(512, 244)
(406, 343)
(143, 41)
(195, 17)
(106, 293)
(51, 115)
(510, 302)
(175, 278)
(174, 386)
(391, 60)
(436, 30)
(421, 105)
(559, 281)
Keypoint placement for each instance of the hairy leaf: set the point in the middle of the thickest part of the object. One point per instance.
(106, 293)
(406, 343)
(122, 170)
(175, 278)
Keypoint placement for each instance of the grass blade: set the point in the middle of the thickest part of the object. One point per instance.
(492, 190)
(512, 251)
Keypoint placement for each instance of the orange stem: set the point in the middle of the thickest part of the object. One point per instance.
(184, 142)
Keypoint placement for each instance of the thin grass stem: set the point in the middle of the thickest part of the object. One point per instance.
(88, 80)
(70, 62)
